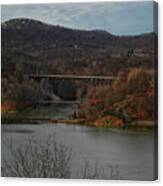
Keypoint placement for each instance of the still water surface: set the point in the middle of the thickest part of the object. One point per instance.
(133, 153)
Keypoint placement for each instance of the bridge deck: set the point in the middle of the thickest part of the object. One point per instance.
(58, 102)
(59, 76)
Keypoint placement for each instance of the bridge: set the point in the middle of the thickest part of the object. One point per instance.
(59, 78)
(58, 102)
(73, 77)
(94, 79)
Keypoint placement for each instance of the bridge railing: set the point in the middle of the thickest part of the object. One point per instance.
(79, 77)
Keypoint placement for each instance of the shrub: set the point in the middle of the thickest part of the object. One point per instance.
(48, 159)
(36, 160)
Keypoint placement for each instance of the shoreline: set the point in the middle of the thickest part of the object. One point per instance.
(134, 126)
(139, 125)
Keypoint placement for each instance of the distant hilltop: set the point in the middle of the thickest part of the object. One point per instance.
(33, 32)
(25, 22)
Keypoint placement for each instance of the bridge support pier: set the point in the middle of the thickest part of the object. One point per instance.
(76, 113)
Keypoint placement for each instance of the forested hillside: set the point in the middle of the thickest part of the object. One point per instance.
(33, 47)
(46, 48)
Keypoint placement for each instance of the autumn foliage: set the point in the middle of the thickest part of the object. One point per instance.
(8, 106)
(19, 95)
(132, 93)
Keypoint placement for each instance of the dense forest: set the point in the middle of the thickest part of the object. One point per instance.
(32, 47)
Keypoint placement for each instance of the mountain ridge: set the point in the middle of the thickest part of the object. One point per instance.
(38, 22)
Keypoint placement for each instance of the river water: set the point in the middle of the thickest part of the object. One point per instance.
(132, 153)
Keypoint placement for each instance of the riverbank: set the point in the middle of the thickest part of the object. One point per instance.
(64, 114)
(134, 126)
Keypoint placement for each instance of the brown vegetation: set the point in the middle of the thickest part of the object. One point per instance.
(130, 97)
(18, 95)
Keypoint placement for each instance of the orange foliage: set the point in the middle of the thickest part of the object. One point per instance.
(95, 101)
(5, 107)
(109, 121)
(134, 94)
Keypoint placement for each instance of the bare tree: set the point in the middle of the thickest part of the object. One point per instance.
(38, 160)
(48, 159)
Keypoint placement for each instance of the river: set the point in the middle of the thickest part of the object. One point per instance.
(132, 153)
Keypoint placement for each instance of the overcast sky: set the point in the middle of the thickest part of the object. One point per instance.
(120, 18)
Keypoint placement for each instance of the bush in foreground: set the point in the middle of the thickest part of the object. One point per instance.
(37, 159)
